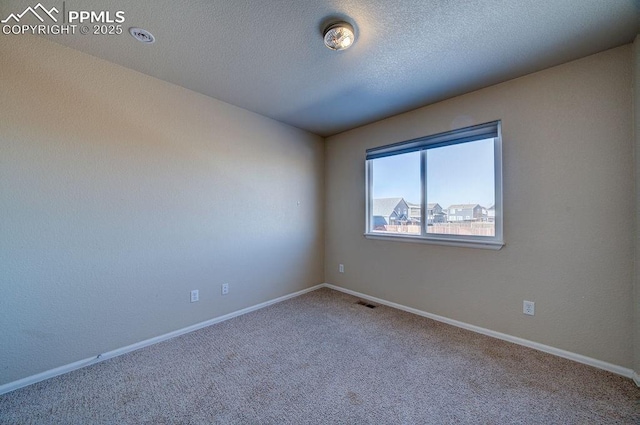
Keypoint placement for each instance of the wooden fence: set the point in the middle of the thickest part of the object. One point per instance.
(466, 229)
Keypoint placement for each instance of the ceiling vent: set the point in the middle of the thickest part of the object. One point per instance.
(142, 35)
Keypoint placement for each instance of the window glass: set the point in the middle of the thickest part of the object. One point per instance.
(445, 188)
(395, 186)
(472, 184)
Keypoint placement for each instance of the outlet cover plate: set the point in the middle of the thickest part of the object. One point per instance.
(195, 296)
(529, 308)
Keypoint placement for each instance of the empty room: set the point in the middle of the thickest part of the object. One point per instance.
(310, 212)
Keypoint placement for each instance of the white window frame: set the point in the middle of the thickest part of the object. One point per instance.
(423, 144)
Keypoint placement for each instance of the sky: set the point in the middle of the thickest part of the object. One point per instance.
(456, 174)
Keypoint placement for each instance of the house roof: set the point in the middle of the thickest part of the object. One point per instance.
(429, 206)
(464, 206)
(385, 206)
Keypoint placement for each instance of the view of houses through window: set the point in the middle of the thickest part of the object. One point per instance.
(460, 191)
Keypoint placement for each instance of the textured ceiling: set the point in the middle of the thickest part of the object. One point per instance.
(267, 56)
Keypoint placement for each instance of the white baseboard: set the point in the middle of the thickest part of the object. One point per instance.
(628, 373)
(11, 386)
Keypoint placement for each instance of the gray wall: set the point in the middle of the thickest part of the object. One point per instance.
(636, 127)
(569, 213)
(120, 193)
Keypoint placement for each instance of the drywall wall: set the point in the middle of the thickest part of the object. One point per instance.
(636, 135)
(568, 205)
(120, 193)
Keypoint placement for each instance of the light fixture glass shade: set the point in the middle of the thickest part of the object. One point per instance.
(339, 36)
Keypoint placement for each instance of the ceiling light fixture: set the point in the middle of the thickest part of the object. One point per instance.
(339, 36)
(142, 35)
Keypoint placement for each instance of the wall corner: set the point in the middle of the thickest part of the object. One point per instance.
(636, 152)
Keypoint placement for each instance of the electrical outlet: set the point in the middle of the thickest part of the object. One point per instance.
(341, 268)
(195, 296)
(529, 307)
(225, 288)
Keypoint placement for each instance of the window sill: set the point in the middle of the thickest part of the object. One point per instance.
(464, 243)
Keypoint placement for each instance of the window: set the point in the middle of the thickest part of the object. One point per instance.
(460, 170)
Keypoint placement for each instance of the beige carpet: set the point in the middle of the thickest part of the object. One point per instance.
(321, 358)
